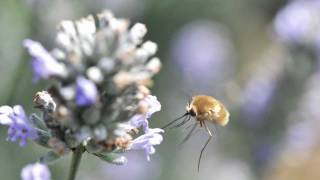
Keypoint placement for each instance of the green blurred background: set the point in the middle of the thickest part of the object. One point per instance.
(224, 48)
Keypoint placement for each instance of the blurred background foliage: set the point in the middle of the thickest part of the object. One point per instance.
(258, 57)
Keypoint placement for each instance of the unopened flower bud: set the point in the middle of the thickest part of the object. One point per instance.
(95, 74)
(154, 65)
(44, 100)
(137, 32)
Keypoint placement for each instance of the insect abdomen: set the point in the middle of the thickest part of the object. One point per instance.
(208, 108)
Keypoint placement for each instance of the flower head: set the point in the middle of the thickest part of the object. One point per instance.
(147, 141)
(35, 171)
(102, 69)
(43, 64)
(19, 127)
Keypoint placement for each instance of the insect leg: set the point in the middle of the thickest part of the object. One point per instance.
(214, 130)
(183, 122)
(174, 121)
(210, 136)
(189, 134)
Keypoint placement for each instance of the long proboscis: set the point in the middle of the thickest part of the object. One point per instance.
(175, 120)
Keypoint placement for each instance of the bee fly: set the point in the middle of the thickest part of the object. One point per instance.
(203, 109)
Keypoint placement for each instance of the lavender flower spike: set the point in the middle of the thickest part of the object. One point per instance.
(86, 92)
(147, 141)
(98, 94)
(35, 171)
(43, 64)
(19, 127)
(152, 105)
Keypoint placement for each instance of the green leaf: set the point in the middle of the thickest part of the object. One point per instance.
(50, 157)
(37, 122)
(113, 158)
(43, 137)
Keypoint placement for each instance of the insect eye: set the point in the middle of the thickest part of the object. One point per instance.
(192, 113)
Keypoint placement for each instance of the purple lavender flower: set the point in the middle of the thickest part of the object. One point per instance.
(263, 152)
(148, 140)
(261, 87)
(257, 96)
(43, 64)
(301, 136)
(35, 171)
(19, 127)
(83, 64)
(86, 92)
(138, 120)
(203, 52)
(303, 133)
(298, 22)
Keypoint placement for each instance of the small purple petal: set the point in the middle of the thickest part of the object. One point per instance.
(139, 120)
(87, 92)
(19, 127)
(4, 113)
(5, 110)
(43, 64)
(19, 113)
(35, 171)
(153, 103)
(147, 141)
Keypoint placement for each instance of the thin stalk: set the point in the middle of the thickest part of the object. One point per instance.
(76, 158)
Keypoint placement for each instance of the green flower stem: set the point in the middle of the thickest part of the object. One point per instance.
(76, 158)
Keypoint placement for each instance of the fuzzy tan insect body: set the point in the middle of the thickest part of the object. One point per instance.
(207, 108)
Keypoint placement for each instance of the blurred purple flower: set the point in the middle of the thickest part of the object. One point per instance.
(261, 86)
(86, 92)
(19, 127)
(43, 64)
(303, 131)
(138, 120)
(202, 51)
(258, 93)
(301, 136)
(298, 22)
(35, 171)
(147, 141)
(263, 151)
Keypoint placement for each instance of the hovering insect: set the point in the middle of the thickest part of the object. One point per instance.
(203, 109)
